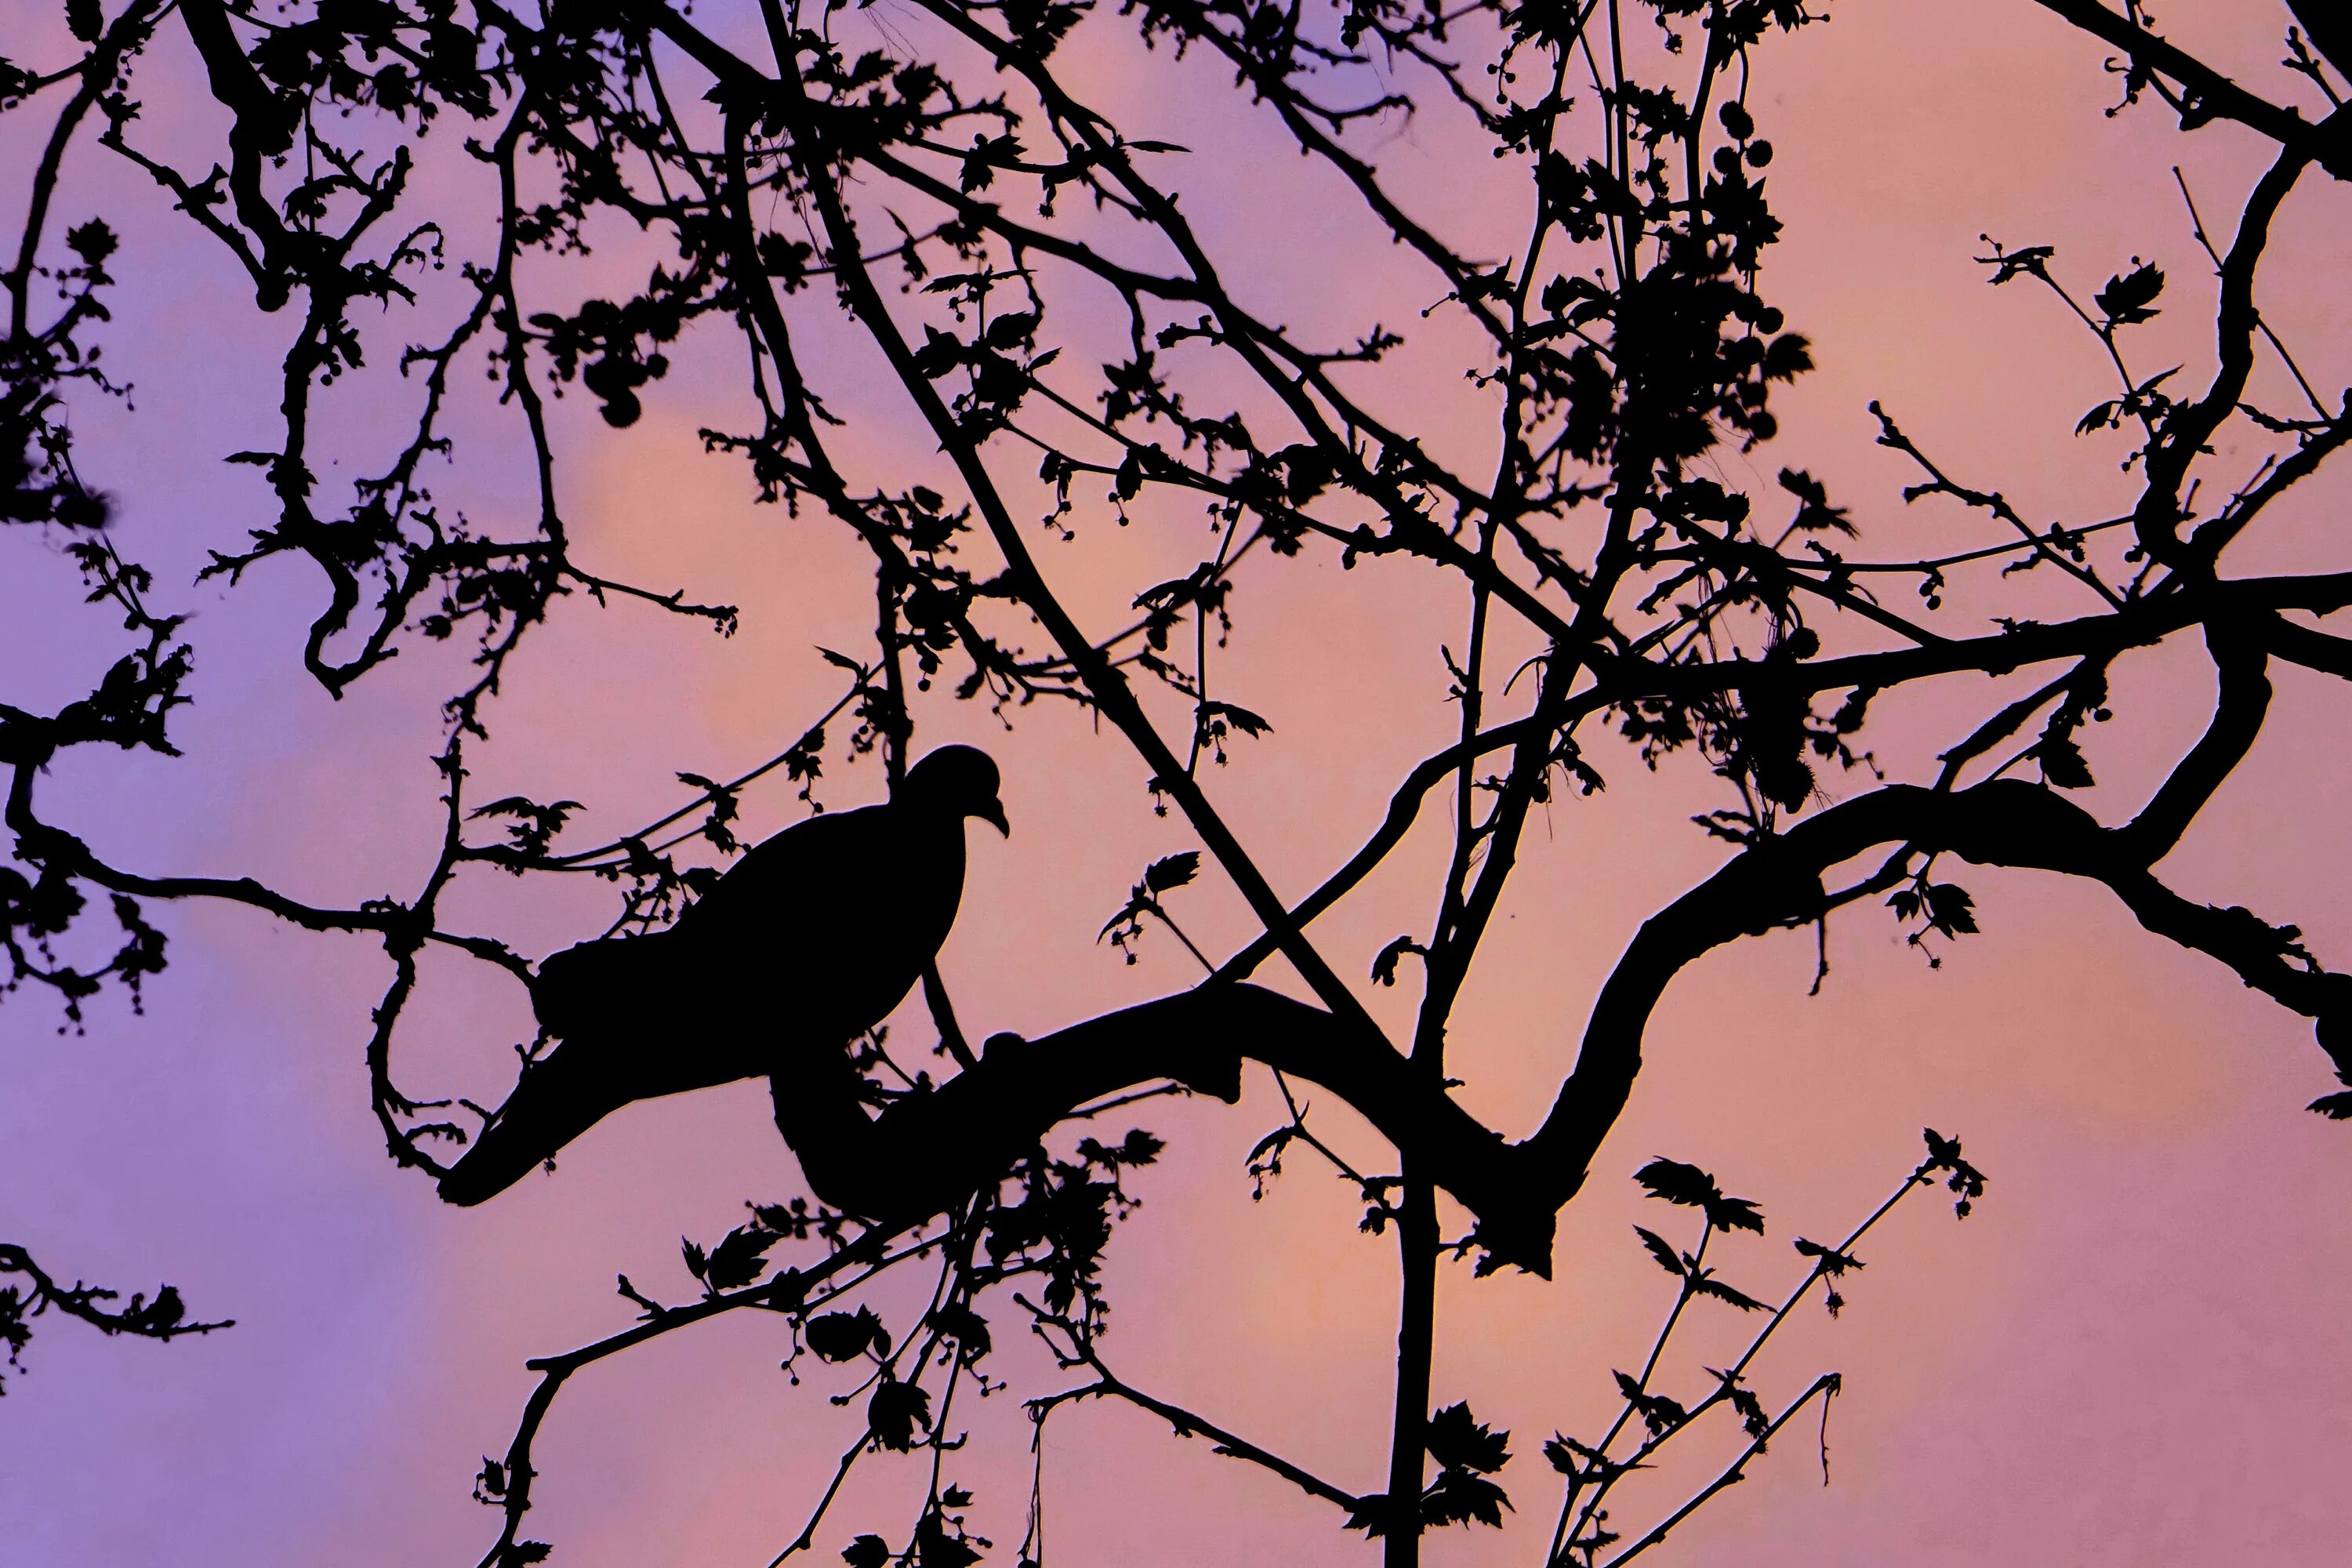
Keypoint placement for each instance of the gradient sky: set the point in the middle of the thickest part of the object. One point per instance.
(2133, 1352)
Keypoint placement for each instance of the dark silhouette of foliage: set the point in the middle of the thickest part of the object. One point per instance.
(34, 1291)
(953, 199)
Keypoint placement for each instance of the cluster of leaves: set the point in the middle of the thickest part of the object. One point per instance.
(1061, 1220)
(940, 1539)
(39, 482)
(1468, 1454)
(740, 1258)
(1049, 1222)
(47, 891)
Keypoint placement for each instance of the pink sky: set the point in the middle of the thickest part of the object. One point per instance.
(2133, 1352)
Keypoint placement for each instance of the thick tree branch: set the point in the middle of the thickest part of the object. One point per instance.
(2186, 430)
(1777, 883)
(265, 127)
(2242, 670)
(923, 1151)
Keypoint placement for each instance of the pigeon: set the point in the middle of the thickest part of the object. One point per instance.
(810, 940)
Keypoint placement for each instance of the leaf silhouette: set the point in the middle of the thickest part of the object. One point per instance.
(1832, 1262)
(1668, 1258)
(739, 1259)
(1457, 1441)
(2127, 298)
(1173, 871)
(1384, 963)
(843, 1336)
(1709, 1285)
(1460, 1497)
(896, 1410)
(1677, 1182)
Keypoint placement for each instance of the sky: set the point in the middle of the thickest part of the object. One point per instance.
(2132, 1352)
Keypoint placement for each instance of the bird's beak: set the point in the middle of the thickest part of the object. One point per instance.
(994, 815)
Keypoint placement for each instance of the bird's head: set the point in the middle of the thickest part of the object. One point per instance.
(959, 780)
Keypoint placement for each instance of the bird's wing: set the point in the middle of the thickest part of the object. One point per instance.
(806, 888)
(830, 922)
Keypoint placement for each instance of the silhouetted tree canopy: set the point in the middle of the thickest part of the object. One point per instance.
(555, 200)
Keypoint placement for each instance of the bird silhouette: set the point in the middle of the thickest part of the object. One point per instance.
(807, 942)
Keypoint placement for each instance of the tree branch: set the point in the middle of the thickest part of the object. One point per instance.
(2211, 92)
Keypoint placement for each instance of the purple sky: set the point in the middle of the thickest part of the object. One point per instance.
(2133, 1352)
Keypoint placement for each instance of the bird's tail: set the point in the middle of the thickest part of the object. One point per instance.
(560, 1097)
(598, 999)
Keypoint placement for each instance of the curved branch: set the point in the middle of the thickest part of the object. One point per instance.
(1777, 882)
(2311, 648)
(2185, 431)
(2241, 668)
(978, 1123)
(2211, 92)
(926, 1152)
